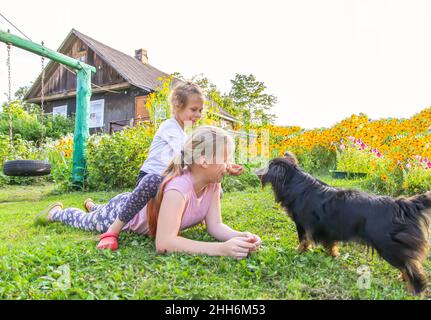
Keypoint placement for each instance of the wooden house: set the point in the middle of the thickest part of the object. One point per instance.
(120, 86)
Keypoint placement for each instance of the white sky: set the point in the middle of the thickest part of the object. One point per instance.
(324, 60)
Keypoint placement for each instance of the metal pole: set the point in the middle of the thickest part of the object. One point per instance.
(43, 51)
(81, 125)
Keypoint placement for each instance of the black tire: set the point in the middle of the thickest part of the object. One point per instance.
(26, 168)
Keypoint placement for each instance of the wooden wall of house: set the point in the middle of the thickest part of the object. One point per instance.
(60, 80)
(119, 107)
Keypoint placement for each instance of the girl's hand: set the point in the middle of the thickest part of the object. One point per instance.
(252, 238)
(235, 169)
(237, 247)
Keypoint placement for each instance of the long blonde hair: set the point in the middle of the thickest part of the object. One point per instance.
(208, 141)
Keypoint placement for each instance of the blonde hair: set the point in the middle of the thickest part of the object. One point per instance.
(208, 141)
(182, 92)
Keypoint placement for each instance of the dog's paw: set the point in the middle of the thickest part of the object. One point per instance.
(335, 255)
(304, 246)
(333, 252)
(401, 277)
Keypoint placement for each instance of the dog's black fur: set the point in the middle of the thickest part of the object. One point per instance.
(396, 228)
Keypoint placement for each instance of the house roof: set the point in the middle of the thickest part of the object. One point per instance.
(141, 75)
(135, 72)
(138, 74)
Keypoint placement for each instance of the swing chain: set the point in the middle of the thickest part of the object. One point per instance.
(9, 73)
(9, 46)
(42, 93)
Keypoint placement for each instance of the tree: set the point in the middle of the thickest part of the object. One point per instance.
(21, 92)
(246, 101)
(29, 107)
(217, 98)
(252, 104)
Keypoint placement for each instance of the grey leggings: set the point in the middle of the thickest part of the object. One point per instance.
(124, 206)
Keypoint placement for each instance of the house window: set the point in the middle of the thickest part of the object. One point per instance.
(59, 111)
(97, 110)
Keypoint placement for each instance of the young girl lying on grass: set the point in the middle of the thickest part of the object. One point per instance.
(188, 195)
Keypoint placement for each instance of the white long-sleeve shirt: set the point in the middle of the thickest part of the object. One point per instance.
(167, 143)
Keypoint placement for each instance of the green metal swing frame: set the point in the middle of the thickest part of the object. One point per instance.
(83, 95)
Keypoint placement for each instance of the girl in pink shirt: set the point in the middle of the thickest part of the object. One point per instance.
(188, 195)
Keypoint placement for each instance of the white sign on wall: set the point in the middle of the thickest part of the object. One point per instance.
(60, 111)
(97, 108)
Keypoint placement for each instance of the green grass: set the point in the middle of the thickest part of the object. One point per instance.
(31, 258)
(24, 193)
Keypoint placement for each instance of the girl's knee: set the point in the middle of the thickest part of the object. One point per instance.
(152, 177)
(153, 181)
(149, 185)
(157, 179)
(149, 179)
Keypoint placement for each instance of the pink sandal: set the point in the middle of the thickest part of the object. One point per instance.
(108, 240)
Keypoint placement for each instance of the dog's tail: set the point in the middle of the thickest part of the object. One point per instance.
(415, 208)
(422, 201)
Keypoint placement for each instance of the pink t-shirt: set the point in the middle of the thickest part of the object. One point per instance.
(196, 207)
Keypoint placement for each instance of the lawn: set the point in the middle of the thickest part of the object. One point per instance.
(35, 261)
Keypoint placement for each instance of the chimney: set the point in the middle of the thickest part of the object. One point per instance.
(141, 55)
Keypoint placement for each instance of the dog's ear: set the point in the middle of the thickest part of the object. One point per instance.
(291, 157)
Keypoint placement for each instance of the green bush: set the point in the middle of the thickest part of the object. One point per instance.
(113, 161)
(32, 125)
(416, 180)
(354, 160)
(23, 123)
(59, 126)
(29, 128)
(59, 154)
(4, 147)
(383, 177)
(318, 160)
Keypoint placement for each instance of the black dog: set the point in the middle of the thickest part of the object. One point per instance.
(396, 228)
